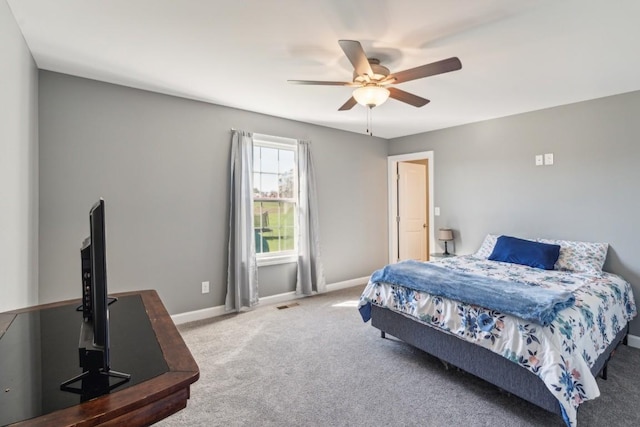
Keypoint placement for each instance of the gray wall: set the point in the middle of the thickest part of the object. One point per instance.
(18, 167)
(161, 164)
(486, 180)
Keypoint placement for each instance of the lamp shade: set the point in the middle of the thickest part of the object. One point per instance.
(371, 96)
(445, 234)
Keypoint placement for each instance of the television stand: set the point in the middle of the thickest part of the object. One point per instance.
(94, 360)
(144, 342)
(94, 383)
(110, 301)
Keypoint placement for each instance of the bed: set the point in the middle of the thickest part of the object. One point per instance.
(550, 360)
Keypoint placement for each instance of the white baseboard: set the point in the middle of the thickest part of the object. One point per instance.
(633, 341)
(347, 284)
(205, 313)
(192, 316)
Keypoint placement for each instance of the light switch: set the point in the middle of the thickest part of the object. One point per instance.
(548, 159)
(436, 211)
(539, 160)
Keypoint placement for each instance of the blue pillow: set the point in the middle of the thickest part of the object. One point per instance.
(525, 252)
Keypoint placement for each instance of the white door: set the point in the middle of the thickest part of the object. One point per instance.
(412, 211)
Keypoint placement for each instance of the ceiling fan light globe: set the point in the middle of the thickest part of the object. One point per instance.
(371, 96)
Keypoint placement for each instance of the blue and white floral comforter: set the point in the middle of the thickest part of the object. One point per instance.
(561, 354)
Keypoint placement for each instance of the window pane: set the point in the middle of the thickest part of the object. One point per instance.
(269, 160)
(285, 185)
(286, 169)
(268, 185)
(287, 242)
(287, 161)
(260, 223)
(257, 215)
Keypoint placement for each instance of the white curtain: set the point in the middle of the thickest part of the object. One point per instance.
(310, 270)
(242, 272)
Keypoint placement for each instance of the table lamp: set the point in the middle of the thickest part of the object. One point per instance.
(445, 235)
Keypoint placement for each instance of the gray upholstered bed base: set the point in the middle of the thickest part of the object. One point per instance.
(477, 360)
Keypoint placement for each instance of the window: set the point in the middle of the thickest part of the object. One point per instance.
(275, 198)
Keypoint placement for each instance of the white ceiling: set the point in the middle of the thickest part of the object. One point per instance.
(517, 55)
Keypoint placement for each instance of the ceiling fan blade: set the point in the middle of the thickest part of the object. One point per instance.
(407, 97)
(348, 105)
(355, 53)
(439, 67)
(323, 83)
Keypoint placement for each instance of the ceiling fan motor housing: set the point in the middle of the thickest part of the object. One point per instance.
(380, 72)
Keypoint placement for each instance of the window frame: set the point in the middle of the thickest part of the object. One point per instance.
(280, 143)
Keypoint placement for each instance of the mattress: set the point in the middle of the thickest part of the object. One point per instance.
(561, 353)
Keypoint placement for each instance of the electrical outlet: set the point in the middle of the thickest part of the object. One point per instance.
(205, 287)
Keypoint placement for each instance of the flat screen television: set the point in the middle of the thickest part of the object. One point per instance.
(93, 346)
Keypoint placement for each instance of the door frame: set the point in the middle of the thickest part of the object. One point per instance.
(392, 162)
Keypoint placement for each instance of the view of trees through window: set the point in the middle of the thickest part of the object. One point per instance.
(275, 198)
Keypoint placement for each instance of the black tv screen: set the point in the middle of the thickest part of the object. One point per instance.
(99, 296)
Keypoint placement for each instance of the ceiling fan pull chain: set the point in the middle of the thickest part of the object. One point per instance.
(367, 120)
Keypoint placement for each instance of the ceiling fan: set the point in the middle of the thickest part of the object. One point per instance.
(371, 79)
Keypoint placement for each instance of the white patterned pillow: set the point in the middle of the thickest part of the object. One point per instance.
(487, 246)
(580, 257)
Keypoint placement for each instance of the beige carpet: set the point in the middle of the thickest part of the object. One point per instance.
(317, 364)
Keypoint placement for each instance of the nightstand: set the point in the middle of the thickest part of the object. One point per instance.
(441, 255)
